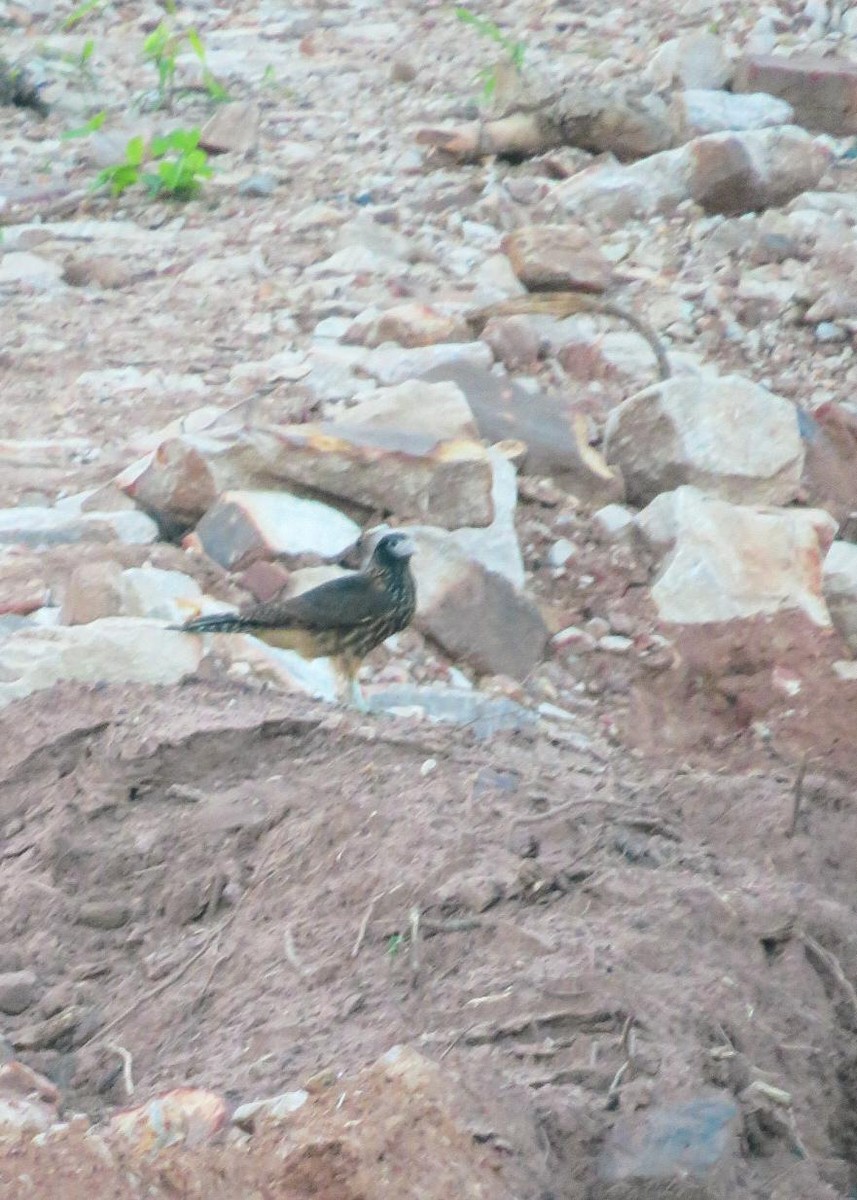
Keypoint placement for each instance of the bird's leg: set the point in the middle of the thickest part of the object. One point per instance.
(355, 695)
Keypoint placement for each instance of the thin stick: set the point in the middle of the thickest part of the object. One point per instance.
(797, 795)
(415, 940)
(830, 966)
(364, 924)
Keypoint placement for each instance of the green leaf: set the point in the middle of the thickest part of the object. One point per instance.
(134, 151)
(91, 126)
(87, 52)
(159, 146)
(196, 44)
(79, 13)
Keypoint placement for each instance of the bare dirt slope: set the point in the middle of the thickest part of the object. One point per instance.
(224, 883)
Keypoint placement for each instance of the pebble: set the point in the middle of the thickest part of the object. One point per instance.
(614, 643)
(17, 991)
(826, 331)
(561, 552)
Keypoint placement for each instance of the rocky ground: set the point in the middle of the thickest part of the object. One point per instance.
(569, 912)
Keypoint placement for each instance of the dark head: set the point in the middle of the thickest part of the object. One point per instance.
(392, 551)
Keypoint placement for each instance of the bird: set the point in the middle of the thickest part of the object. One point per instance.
(342, 619)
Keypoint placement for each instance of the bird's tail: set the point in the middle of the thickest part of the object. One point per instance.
(216, 623)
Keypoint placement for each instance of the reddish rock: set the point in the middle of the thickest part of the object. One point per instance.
(557, 257)
(822, 91)
(515, 341)
(175, 484)
(410, 325)
(94, 590)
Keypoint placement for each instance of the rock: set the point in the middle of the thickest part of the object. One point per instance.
(244, 526)
(830, 466)
(17, 992)
(419, 477)
(496, 546)
(694, 60)
(231, 128)
(94, 590)
(689, 1149)
(505, 410)
(612, 522)
(29, 1103)
(696, 112)
(162, 595)
(410, 325)
(438, 410)
(104, 914)
(190, 1116)
(726, 435)
(102, 271)
(476, 615)
(724, 172)
(561, 257)
(30, 271)
(514, 341)
(839, 584)
(393, 364)
(721, 562)
(111, 650)
(821, 90)
(179, 481)
(31, 526)
(273, 1109)
(560, 553)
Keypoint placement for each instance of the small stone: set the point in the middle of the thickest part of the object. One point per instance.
(597, 627)
(573, 640)
(694, 60)
(613, 643)
(17, 991)
(698, 111)
(826, 331)
(162, 595)
(104, 914)
(558, 257)
(258, 185)
(612, 522)
(561, 552)
(403, 70)
(428, 767)
(30, 271)
(231, 128)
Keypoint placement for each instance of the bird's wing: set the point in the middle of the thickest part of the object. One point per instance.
(338, 604)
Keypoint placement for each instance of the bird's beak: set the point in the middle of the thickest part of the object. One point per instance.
(406, 548)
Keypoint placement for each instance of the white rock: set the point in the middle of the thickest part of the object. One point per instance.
(245, 525)
(112, 650)
(438, 409)
(694, 60)
(839, 584)
(391, 364)
(33, 526)
(612, 522)
(699, 111)
(496, 546)
(21, 267)
(560, 552)
(161, 595)
(725, 435)
(721, 561)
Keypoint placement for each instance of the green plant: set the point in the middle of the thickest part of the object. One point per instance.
(80, 13)
(395, 944)
(162, 48)
(515, 51)
(91, 126)
(172, 166)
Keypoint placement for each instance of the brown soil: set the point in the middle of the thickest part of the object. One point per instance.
(223, 882)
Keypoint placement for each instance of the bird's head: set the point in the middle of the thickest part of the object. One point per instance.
(393, 549)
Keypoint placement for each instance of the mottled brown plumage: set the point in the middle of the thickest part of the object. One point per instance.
(342, 619)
